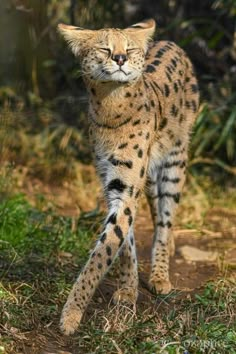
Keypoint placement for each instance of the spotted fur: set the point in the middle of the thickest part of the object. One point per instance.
(143, 100)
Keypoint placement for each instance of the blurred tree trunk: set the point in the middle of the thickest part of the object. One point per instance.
(15, 63)
(72, 12)
(26, 43)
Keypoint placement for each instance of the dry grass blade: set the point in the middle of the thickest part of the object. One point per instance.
(216, 162)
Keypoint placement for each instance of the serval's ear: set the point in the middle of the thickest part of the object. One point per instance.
(77, 37)
(142, 32)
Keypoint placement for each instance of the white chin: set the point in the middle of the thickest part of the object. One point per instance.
(119, 77)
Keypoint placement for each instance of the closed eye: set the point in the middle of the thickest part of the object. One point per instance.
(106, 50)
(130, 50)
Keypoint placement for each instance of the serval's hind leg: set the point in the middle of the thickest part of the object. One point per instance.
(165, 196)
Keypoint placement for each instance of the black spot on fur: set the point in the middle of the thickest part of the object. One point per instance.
(175, 196)
(160, 109)
(116, 184)
(169, 69)
(131, 191)
(163, 123)
(107, 126)
(116, 162)
(109, 261)
(174, 110)
(140, 153)
(127, 211)
(112, 219)
(139, 108)
(157, 86)
(150, 69)
(178, 143)
(155, 122)
(130, 220)
(174, 164)
(103, 238)
(175, 152)
(176, 87)
(136, 122)
(173, 61)
(168, 76)
(142, 172)
(160, 53)
(167, 90)
(146, 84)
(108, 250)
(162, 224)
(170, 134)
(171, 180)
(119, 233)
(187, 104)
(156, 62)
(122, 146)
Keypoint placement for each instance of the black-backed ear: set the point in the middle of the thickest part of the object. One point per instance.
(76, 37)
(142, 31)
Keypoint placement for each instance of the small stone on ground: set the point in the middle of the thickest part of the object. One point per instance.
(193, 254)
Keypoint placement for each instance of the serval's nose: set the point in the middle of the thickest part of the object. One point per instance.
(119, 59)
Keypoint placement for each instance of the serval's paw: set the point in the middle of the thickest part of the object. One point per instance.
(70, 318)
(159, 286)
(126, 295)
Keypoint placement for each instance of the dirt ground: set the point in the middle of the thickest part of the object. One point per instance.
(187, 277)
(216, 235)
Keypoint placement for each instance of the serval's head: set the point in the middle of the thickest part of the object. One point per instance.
(110, 55)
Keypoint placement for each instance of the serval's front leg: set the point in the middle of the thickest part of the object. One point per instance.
(128, 284)
(122, 187)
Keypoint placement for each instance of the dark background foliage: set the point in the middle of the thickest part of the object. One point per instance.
(42, 97)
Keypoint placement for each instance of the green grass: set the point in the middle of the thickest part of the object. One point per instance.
(28, 230)
(41, 254)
